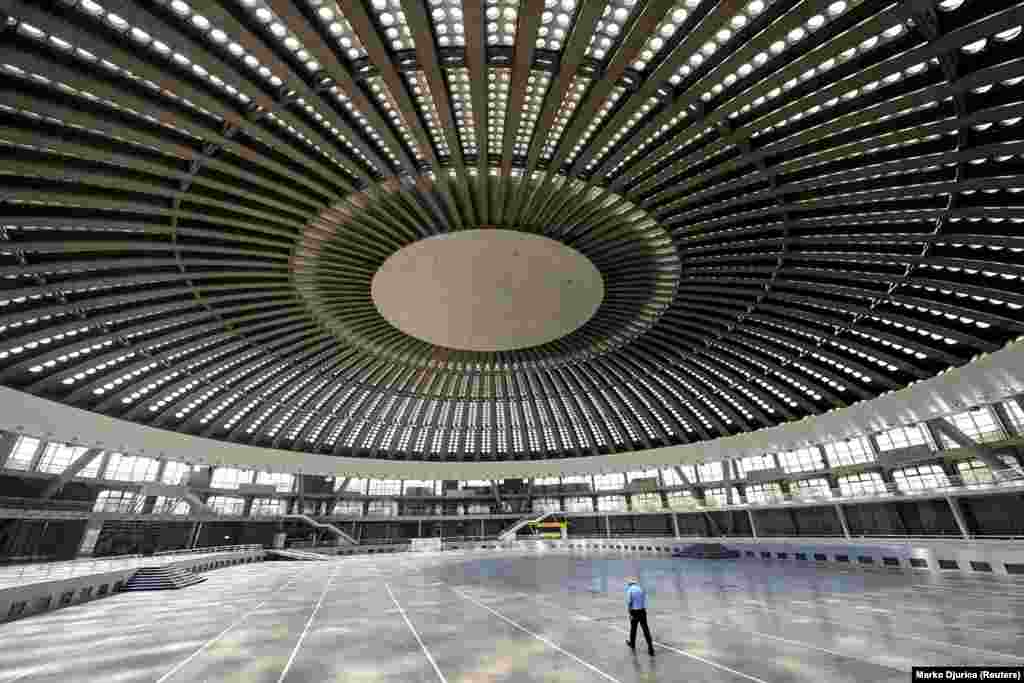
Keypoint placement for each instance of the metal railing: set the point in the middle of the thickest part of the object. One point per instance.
(52, 571)
(45, 504)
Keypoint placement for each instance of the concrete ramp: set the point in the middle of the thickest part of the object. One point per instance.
(295, 555)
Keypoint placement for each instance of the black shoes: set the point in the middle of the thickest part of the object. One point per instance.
(631, 645)
(651, 652)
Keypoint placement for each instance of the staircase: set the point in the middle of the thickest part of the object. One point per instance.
(161, 578)
(509, 534)
(338, 533)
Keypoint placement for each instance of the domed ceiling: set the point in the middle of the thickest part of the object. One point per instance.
(792, 207)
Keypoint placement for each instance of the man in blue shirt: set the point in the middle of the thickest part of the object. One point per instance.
(636, 602)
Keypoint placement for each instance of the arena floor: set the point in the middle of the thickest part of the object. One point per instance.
(471, 618)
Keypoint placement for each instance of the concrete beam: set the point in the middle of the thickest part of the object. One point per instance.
(978, 450)
(54, 487)
(958, 515)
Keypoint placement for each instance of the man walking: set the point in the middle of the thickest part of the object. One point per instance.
(636, 602)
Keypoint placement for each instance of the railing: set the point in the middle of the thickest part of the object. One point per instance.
(45, 504)
(52, 571)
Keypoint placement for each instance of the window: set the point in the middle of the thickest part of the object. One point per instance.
(802, 460)
(810, 488)
(767, 492)
(901, 437)
(226, 505)
(547, 481)
(611, 503)
(385, 487)
(268, 507)
(1015, 414)
(281, 481)
(116, 501)
(384, 508)
(974, 473)
(756, 463)
(978, 424)
(348, 508)
(609, 482)
(420, 487)
(849, 452)
(579, 504)
(642, 474)
(646, 502)
(57, 457)
(578, 482)
(175, 473)
(230, 477)
(672, 478)
(710, 471)
(22, 454)
(920, 478)
(122, 467)
(714, 496)
(478, 509)
(354, 485)
(546, 505)
(170, 506)
(862, 484)
(681, 500)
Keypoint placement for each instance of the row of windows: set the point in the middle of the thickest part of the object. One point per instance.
(979, 423)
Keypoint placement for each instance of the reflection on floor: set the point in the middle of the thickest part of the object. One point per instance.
(470, 618)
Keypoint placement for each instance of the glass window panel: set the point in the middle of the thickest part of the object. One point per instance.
(385, 487)
(611, 503)
(609, 482)
(116, 501)
(424, 486)
(354, 485)
(920, 478)
(862, 484)
(849, 452)
(978, 424)
(175, 473)
(226, 505)
(646, 502)
(810, 488)
(386, 508)
(901, 437)
(268, 507)
(579, 504)
(170, 506)
(21, 456)
(122, 467)
(546, 505)
(348, 508)
(681, 500)
(710, 471)
(765, 492)
(281, 481)
(1015, 414)
(802, 460)
(57, 457)
(230, 477)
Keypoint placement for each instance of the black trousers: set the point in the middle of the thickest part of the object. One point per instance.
(639, 616)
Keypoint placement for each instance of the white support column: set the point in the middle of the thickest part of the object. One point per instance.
(958, 515)
(607, 527)
(841, 514)
(753, 524)
(675, 523)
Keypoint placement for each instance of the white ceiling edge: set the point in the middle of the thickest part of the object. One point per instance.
(990, 378)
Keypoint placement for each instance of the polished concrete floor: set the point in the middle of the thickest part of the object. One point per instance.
(471, 618)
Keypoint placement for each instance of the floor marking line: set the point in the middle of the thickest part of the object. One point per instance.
(682, 652)
(213, 640)
(419, 640)
(898, 635)
(542, 638)
(309, 622)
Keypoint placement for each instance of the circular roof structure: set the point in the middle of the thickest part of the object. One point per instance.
(487, 290)
(792, 206)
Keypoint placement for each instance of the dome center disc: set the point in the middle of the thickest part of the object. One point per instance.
(487, 290)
